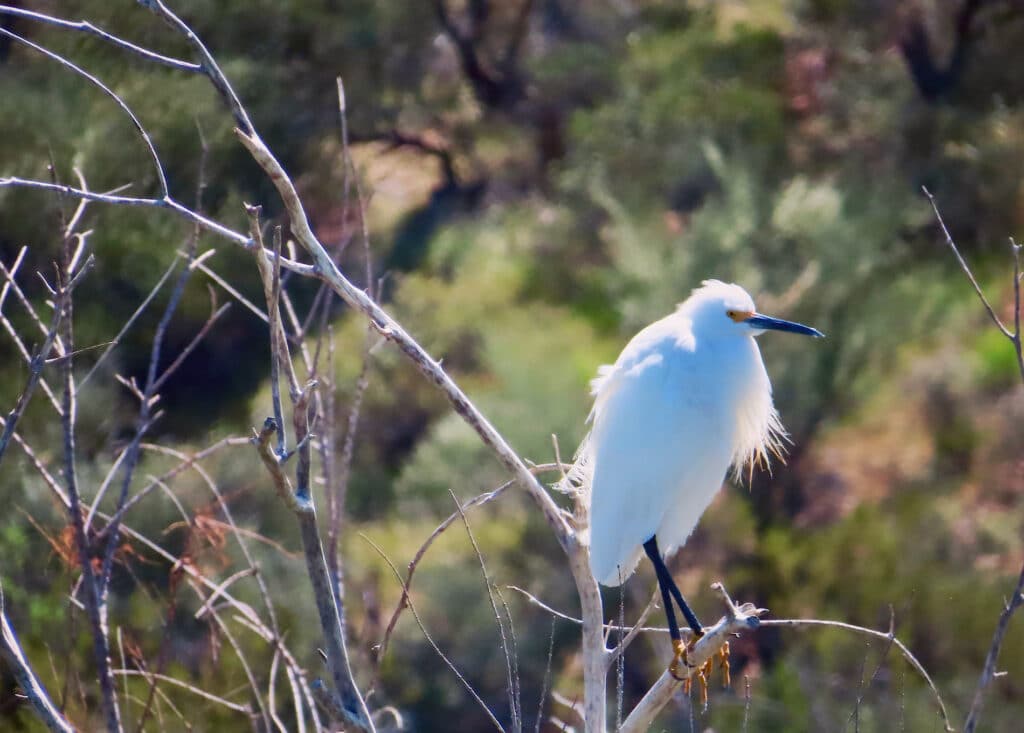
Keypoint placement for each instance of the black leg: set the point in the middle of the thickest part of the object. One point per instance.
(668, 586)
(666, 598)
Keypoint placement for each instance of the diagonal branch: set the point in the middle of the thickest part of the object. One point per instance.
(30, 685)
(737, 619)
(207, 62)
(965, 267)
(87, 27)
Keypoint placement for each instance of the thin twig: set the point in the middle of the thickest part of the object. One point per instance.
(151, 149)
(547, 677)
(964, 266)
(215, 314)
(272, 290)
(992, 657)
(187, 462)
(237, 707)
(882, 635)
(161, 203)
(34, 376)
(430, 639)
(88, 27)
(637, 627)
(207, 61)
(517, 723)
(422, 551)
(1017, 597)
(855, 715)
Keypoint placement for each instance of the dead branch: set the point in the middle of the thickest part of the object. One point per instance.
(737, 619)
(888, 637)
(430, 640)
(422, 551)
(511, 671)
(1016, 599)
(87, 27)
(300, 500)
(31, 687)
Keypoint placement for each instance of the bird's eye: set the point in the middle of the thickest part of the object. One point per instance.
(732, 314)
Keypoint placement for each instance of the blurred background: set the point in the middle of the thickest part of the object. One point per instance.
(543, 178)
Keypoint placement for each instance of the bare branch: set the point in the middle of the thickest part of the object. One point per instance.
(157, 165)
(992, 657)
(30, 686)
(430, 639)
(215, 314)
(737, 619)
(422, 551)
(117, 200)
(1017, 597)
(511, 678)
(316, 565)
(325, 269)
(34, 377)
(94, 605)
(207, 62)
(91, 29)
(964, 266)
(635, 630)
(237, 707)
(888, 637)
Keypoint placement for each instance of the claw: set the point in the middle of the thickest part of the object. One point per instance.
(723, 664)
(681, 652)
(702, 677)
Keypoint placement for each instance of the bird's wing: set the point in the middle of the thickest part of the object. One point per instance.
(656, 430)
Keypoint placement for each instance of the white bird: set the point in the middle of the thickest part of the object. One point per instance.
(687, 398)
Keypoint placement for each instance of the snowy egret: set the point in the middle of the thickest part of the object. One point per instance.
(688, 397)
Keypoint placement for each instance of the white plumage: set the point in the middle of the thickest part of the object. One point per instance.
(687, 398)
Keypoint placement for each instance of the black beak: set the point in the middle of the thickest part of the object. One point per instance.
(767, 323)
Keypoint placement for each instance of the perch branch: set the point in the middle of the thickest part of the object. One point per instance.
(736, 619)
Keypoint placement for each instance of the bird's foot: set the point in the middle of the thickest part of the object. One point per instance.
(723, 664)
(703, 675)
(681, 651)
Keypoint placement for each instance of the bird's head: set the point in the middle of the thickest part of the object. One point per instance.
(720, 308)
